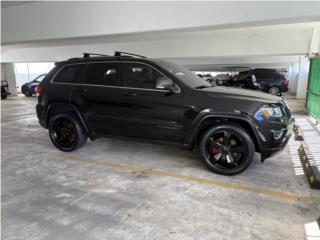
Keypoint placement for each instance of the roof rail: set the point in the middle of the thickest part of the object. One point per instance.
(119, 54)
(87, 55)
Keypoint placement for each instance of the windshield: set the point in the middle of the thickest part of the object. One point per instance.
(183, 74)
(39, 78)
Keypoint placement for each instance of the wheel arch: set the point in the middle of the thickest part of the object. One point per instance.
(55, 108)
(213, 120)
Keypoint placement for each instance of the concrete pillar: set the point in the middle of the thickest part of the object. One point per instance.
(294, 77)
(289, 77)
(7, 73)
(303, 78)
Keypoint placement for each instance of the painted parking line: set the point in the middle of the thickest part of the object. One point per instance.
(234, 186)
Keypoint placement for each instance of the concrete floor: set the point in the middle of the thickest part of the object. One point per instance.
(117, 189)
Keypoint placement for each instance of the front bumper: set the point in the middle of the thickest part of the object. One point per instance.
(273, 144)
(269, 152)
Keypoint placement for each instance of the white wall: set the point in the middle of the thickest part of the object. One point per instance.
(62, 19)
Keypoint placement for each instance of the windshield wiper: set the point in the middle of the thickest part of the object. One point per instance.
(202, 86)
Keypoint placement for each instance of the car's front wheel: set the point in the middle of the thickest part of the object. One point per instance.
(66, 133)
(226, 149)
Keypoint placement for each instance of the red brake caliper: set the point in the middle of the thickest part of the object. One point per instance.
(214, 150)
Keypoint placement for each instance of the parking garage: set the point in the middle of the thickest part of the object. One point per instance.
(129, 188)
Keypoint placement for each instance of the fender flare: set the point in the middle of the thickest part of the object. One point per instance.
(66, 107)
(191, 139)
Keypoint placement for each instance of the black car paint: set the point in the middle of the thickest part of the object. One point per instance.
(176, 117)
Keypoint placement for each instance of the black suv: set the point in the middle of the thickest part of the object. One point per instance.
(269, 80)
(156, 100)
(247, 81)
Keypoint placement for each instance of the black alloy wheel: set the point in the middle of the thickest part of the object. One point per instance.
(227, 149)
(66, 133)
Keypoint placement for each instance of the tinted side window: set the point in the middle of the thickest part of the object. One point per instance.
(138, 75)
(68, 74)
(102, 74)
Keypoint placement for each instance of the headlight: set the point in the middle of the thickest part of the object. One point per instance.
(269, 111)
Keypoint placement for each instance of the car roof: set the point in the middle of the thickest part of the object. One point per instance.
(119, 56)
(104, 59)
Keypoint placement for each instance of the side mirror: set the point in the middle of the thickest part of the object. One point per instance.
(165, 84)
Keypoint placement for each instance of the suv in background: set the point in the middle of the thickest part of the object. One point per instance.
(269, 79)
(246, 81)
(155, 100)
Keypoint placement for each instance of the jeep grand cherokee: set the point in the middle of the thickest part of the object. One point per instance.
(132, 96)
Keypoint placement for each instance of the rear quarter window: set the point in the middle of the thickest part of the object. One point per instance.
(68, 74)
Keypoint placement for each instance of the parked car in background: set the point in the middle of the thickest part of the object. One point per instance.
(156, 100)
(206, 77)
(222, 79)
(246, 81)
(269, 79)
(29, 88)
(4, 89)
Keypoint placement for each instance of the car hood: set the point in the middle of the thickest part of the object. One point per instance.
(238, 93)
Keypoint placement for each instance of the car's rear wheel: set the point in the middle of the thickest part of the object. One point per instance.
(274, 91)
(226, 149)
(66, 133)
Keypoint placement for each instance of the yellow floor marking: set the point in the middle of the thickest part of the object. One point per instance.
(236, 186)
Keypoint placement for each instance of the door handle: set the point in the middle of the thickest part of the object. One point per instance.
(129, 94)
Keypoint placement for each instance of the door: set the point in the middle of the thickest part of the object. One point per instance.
(97, 96)
(147, 112)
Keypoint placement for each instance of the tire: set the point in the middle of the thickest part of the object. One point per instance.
(214, 147)
(274, 91)
(27, 92)
(66, 132)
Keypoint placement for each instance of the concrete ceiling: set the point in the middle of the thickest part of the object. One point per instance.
(81, 19)
(236, 63)
(5, 4)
